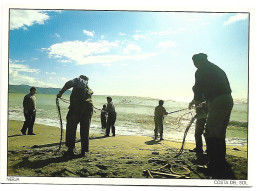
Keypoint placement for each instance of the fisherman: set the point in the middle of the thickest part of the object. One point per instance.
(212, 82)
(201, 119)
(80, 111)
(111, 119)
(159, 113)
(103, 117)
(29, 109)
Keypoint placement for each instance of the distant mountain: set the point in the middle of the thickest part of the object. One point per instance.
(26, 89)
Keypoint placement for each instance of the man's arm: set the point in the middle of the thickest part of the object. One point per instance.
(165, 112)
(25, 104)
(197, 89)
(68, 85)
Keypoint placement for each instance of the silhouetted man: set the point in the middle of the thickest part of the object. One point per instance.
(111, 118)
(80, 111)
(212, 83)
(103, 117)
(159, 113)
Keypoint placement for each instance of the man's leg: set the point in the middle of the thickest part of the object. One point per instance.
(113, 126)
(84, 132)
(71, 129)
(26, 123)
(156, 127)
(31, 124)
(199, 128)
(103, 122)
(218, 118)
(109, 122)
(161, 129)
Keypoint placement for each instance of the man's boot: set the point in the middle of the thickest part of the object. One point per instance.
(161, 136)
(211, 154)
(222, 154)
(69, 152)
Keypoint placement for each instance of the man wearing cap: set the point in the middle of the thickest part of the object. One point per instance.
(80, 111)
(111, 118)
(159, 113)
(212, 83)
(29, 109)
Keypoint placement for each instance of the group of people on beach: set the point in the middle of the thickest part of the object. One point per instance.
(212, 100)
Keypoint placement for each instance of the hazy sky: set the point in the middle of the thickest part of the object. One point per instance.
(126, 52)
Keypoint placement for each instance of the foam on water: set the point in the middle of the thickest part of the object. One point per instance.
(135, 116)
(174, 134)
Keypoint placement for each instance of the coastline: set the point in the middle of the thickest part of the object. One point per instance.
(173, 134)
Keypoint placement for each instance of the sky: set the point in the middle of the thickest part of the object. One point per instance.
(129, 53)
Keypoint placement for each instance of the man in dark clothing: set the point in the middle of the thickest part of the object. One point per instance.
(212, 83)
(159, 113)
(201, 119)
(80, 111)
(111, 118)
(29, 109)
(103, 117)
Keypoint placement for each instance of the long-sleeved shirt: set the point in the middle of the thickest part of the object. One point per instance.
(159, 112)
(29, 102)
(210, 82)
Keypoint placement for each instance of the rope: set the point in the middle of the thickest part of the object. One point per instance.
(188, 126)
(184, 136)
(65, 100)
(61, 126)
(178, 111)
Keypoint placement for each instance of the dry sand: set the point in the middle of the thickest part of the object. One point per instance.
(110, 157)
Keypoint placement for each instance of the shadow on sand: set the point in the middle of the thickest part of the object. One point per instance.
(152, 142)
(26, 163)
(17, 135)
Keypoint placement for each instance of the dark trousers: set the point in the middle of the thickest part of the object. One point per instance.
(199, 129)
(218, 118)
(111, 119)
(74, 118)
(216, 151)
(29, 122)
(158, 127)
(103, 121)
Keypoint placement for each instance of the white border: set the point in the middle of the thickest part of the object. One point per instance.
(235, 6)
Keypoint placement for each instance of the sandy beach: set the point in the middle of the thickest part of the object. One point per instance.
(110, 157)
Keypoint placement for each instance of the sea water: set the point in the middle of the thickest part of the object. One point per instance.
(134, 116)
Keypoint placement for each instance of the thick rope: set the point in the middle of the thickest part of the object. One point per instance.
(188, 126)
(184, 136)
(178, 111)
(61, 126)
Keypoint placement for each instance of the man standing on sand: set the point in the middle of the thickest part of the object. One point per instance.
(201, 119)
(212, 82)
(29, 109)
(103, 117)
(111, 118)
(80, 111)
(159, 113)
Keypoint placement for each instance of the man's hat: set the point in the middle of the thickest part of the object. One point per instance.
(200, 57)
(83, 77)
